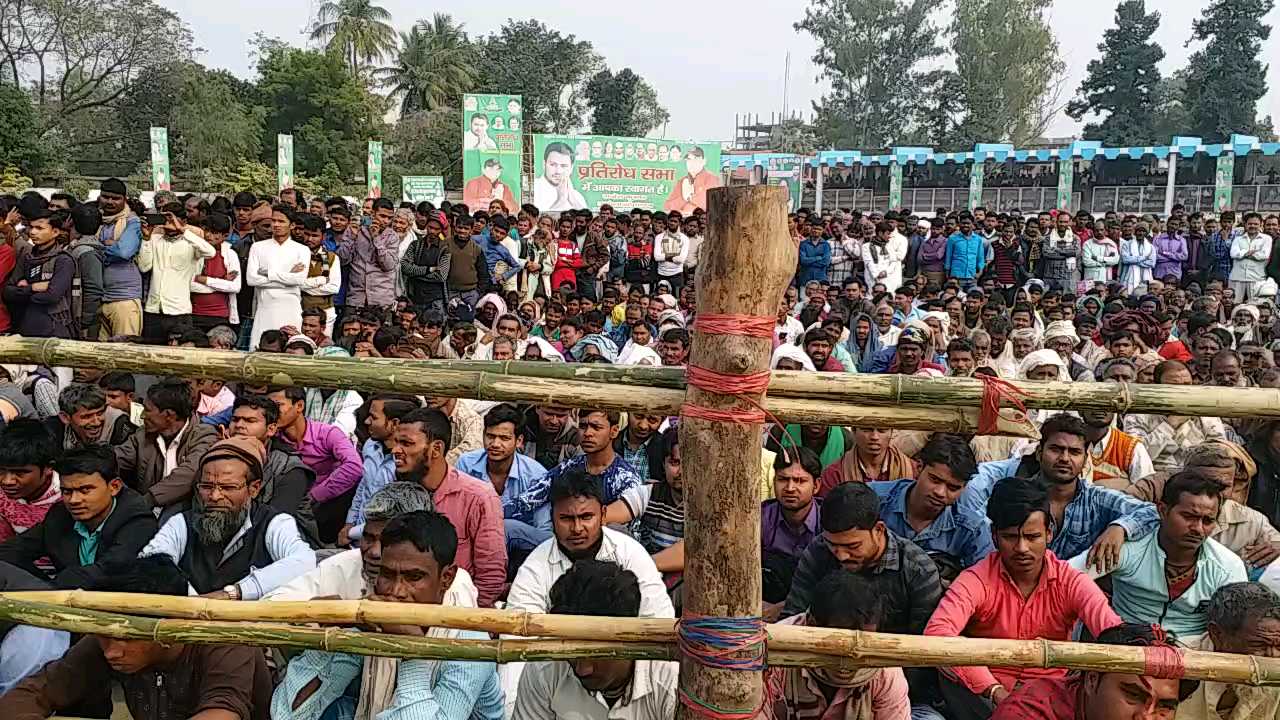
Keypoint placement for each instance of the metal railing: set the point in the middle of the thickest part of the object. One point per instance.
(926, 200)
(1150, 198)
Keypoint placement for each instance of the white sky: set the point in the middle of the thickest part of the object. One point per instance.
(707, 59)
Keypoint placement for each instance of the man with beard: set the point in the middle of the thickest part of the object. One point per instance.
(420, 446)
(1022, 591)
(1169, 576)
(854, 538)
(84, 419)
(417, 568)
(924, 510)
(634, 689)
(1119, 460)
(1084, 517)
(228, 545)
(350, 574)
(817, 345)
(551, 434)
(160, 680)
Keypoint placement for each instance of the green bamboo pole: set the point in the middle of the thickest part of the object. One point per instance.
(815, 647)
(421, 378)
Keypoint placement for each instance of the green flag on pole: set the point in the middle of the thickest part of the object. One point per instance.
(375, 169)
(160, 177)
(284, 161)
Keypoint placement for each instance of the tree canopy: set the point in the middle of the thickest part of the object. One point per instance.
(1227, 77)
(623, 104)
(1123, 83)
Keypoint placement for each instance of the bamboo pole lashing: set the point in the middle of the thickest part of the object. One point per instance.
(819, 647)
(414, 377)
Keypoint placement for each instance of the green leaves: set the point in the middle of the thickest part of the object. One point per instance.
(548, 69)
(623, 105)
(1227, 76)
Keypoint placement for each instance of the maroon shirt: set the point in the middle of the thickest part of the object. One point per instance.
(213, 304)
(1046, 699)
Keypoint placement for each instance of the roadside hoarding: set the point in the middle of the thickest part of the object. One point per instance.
(574, 172)
(492, 146)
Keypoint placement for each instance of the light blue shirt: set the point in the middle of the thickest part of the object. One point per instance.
(455, 690)
(26, 649)
(956, 532)
(291, 555)
(379, 471)
(525, 496)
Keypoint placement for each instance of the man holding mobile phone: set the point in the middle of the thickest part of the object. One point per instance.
(178, 250)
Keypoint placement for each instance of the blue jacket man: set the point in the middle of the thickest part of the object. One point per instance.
(815, 257)
(965, 252)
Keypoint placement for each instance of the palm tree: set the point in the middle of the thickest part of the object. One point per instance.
(359, 29)
(434, 66)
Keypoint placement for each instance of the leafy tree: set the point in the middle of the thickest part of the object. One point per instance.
(80, 57)
(1121, 84)
(794, 136)
(1008, 69)
(209, 126)
(623, 104)
(424, 143)
(358, 30)
(12, 180)
(314, 96)
(19, 131)
(1227, 77)
(434, 66)
(870, 51)
(1170, 117)
(550, 70)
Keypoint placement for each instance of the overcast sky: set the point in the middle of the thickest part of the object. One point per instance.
(707, 60)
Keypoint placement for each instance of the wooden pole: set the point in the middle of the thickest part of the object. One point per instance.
(574, 636)
(746, 263)
(419, 377)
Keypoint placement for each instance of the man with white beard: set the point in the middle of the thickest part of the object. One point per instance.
(229, 546)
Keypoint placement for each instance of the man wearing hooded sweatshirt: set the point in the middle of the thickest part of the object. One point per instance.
(87, 251)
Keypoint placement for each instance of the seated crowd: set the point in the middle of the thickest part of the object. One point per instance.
(1124, 529)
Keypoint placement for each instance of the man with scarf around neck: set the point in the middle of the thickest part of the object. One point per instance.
(228, 545)
(121, 238)
(841, 600)
(872, 457)
(1022, 591)
(39, 292)
(416, 566)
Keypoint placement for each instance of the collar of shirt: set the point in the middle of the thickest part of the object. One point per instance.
(454, 482)
(169, 450)
(89, 539)
(1052, 572)
(561, 563)
(891, 558)
(896, 507)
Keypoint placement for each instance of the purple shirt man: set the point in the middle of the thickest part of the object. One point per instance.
(1171, 253)
(331, 456)
(777, 535)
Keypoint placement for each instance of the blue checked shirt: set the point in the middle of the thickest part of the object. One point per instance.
(525, 497)
(1218, 249)
(1085, 518)
(957, 532)
(615, 479)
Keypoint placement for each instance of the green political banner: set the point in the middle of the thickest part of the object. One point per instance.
(895, 185)
(574, 172)
(160, 177)
(374, 171)
(419, 188)
(785, 172)
(492, 148)
(284, 161)
(1066, 182)
(1223, 177)
(976, 173)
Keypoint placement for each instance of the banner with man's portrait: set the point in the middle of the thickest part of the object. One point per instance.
(575, 172)
(492, 145)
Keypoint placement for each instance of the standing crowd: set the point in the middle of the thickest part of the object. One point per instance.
(1135, 529)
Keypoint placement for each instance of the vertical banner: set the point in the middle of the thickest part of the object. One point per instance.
(284, 161)
(575, 172)
(374, 171)
(1223, 177)
(785, 172)
(977, 172)
(895, 185)
(1066, 182)
(160, 177)
(492, 150)
(419, 188)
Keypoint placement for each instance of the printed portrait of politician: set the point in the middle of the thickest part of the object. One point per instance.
(477, 138)
(554, 190)
(487, 187)
(690, 191)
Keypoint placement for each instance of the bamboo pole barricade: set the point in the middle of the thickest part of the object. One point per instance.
(616, 387)
(202, 621)
(421, 377)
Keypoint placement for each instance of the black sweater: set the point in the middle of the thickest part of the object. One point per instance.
(127, 530)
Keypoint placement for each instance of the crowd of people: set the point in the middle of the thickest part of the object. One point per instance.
(1135, 529)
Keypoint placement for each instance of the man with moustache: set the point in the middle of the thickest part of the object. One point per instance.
(422, 440)
(228, 545)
